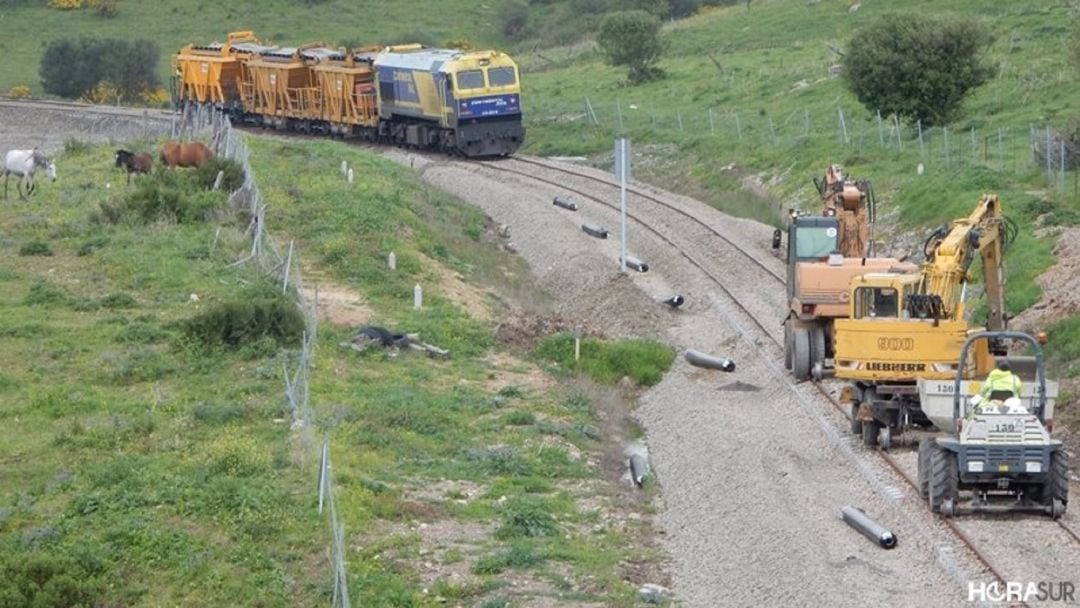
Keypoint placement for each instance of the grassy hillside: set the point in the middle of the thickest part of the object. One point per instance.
(139, 467)
(754, 94)
(174, 23)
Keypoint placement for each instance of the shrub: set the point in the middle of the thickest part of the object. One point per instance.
(526, 517)
(513, 17)
(47, 580)
(170, 197)
(247, 320)
(19, 92)
(632, 39)
(74, 68)
(44, 293)
(92, 245)
(35, 248)
(118, 300)
(140, 333)
(916, 68)
(233, 173)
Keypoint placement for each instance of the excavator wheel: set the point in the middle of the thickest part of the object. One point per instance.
(944, 481)
(1055, 493)
(817, 353)
(856, 424)
(787, 345)
(800, 354)
(870, 432)
(926, 448)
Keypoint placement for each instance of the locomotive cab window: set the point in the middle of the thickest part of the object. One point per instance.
(472, 79)
(502, 77)
(876, 302)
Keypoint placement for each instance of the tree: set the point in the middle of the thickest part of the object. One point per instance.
(73, 68)
(632, 38)
(916, 68)
(513, 17)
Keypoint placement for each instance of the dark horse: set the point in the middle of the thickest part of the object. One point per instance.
(135, 163)
(185, 154)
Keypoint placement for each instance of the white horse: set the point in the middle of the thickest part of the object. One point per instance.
(24, 164)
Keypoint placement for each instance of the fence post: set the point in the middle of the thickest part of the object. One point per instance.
(945, 133)
(1049, 171)
(843, 128)
(880, 130)
(899, 140)
(288, 265)
(738, 129)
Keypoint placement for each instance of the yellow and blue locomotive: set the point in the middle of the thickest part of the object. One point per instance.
(460, 102)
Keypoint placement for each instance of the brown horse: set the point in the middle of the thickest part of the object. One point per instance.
(185, 154)
(134, 162)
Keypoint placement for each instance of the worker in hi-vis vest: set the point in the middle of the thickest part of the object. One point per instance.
(1001, 383)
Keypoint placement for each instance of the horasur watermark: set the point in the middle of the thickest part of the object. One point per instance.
(1016, 591)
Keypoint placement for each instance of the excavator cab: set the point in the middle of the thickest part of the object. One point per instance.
(811, 238)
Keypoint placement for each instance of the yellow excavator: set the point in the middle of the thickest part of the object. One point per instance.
(907, 326)
(824, 253)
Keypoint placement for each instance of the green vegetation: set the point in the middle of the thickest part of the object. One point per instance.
(644, 361)
(149, 462)
(632, 39)
(74, 68)
(917, 69)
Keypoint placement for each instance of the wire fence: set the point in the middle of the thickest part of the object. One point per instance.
(282, 265)
(977, 143)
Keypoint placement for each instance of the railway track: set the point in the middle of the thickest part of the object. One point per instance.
(956, 527)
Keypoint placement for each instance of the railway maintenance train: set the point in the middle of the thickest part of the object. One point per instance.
(461, 102)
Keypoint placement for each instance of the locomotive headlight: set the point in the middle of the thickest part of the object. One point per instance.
(1033, 467)
(975, 466)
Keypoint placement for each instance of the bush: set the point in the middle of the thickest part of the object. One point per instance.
(526, 517)
(44, 293)
(92, 245)
(233, 173)
(632, 39)
(916, 68)
(245, 321)
(35, 248)
(45, 580)
(513, 17)
(170, 196)
(74, 68)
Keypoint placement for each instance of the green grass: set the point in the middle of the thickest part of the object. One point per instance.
(141, 467)
(644, 361)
